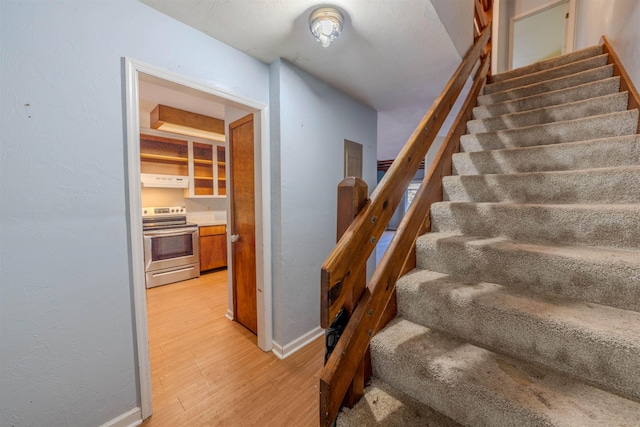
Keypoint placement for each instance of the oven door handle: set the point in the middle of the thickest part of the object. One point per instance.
(170, 233)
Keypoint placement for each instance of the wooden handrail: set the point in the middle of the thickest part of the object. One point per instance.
(359, 240)
(625, 81)
(357, 243)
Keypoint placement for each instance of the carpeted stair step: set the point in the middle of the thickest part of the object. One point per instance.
(561, 96)
(591, 342)
(549, 63)
(383, 405)
(593, 225)
(477, 387)
(548, 74)
(570, 111)
(589, 186)
(550, 85)
(594, 127)
(607, 276)
(596, 153)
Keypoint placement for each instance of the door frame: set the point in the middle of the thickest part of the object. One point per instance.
(132, 70)
(570, 30)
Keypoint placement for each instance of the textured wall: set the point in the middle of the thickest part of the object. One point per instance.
(312, 123)
(618, 20)
(67, 338)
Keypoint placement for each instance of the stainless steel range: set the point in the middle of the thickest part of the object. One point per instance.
(171, 246)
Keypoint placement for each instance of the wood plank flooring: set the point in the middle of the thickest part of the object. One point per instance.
(208, 371)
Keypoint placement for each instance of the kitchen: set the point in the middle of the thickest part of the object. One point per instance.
(184, 192)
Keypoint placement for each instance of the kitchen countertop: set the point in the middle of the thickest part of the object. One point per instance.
(203, 219)
(211, 222)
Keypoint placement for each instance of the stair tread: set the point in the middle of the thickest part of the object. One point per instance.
(589, 154)
(605, 86)
(475, 386)
(594, 127)
(384, 405)
(603, 225)
(624, 257)
(570, 111)
(548, 63)
(574, 271)
(610, 325)
(535, 327)
(565, 82)
(589, 186)
(548, 74)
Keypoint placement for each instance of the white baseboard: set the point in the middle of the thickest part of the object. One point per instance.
(229, 315)
(288, 349)
(128, 419)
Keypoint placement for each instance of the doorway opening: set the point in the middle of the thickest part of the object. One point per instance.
(352, 159)
(541, 33)
(234, 106)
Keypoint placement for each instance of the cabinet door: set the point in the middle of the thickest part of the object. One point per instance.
(213, 247)
(207, 170)
(222, 171)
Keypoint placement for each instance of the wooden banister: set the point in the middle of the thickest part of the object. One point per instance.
(353, 193)
(339, 272)
(625, 81)
(359, 240)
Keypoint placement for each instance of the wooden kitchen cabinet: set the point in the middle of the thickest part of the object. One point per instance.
(208, 170)
(213, 247)
(163, 155)
(201, 161)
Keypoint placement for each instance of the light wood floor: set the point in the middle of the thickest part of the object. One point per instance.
(208, 371)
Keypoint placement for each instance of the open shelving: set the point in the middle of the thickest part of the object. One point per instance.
(201, 160)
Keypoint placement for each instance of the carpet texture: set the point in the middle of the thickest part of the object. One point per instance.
(524, 308)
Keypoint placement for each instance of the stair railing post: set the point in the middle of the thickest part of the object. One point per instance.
(353, 193)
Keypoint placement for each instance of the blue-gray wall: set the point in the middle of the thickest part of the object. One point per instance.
(310, 121)
(67, 341)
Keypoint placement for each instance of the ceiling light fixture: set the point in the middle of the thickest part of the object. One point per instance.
(326, 24)
(174, 120)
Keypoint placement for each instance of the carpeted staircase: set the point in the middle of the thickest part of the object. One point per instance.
(524, 309)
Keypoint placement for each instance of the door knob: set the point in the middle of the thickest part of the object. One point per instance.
(235, 238)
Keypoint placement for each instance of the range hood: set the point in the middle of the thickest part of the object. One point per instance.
(164, 181)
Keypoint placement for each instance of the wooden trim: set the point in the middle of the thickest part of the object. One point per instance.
(157, 138)
(480, 14)
(351, 347)
(162, 114)
(626, 84)
(359, 240)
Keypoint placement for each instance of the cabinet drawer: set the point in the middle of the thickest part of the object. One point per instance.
(212, 230)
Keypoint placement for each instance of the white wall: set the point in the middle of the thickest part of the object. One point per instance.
(503, 11)
(66, 337)
(457, 18)
(310, 121)
(619, 21)
(523, 6)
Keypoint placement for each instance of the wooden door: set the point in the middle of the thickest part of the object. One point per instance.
(243, 222)
(352, 159)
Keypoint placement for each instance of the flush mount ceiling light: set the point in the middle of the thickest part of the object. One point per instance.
(326, 24)
(174, 120)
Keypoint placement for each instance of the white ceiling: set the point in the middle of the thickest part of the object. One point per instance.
(393, 55)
